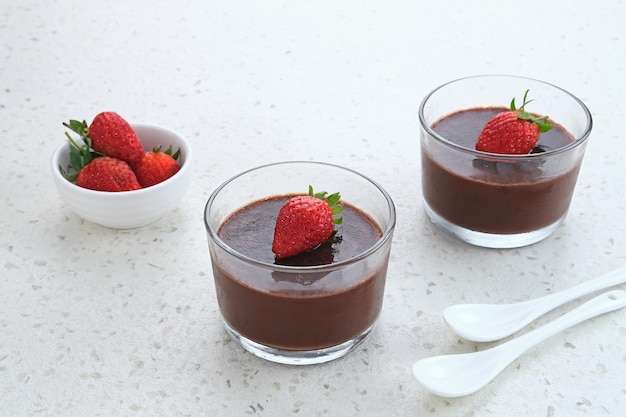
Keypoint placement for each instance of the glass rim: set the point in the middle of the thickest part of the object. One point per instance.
(386, 234)
(496, 156)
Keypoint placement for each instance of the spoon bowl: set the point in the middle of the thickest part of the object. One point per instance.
(463, 374)
(490, 322)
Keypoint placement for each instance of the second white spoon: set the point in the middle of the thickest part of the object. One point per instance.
(489, 322)
(463, 374)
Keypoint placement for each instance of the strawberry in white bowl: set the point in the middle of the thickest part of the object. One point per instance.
(95, 171)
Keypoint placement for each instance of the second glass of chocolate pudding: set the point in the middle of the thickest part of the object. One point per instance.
(496, 200)
(313, 307)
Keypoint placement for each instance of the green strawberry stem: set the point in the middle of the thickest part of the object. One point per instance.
(333, 201)
(80, 155)
(541, 121)
(169, 151)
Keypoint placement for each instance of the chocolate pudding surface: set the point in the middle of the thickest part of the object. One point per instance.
(299, 309)
(485, 195)
(251, 229)
(464, 127)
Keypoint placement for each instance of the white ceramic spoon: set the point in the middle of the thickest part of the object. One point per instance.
(489, 322)
(463, 374)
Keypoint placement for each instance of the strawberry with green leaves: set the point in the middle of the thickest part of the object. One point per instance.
(81, 154)
(512, 132)
(95, 162)
(305, 222)
(109, 134)
(156, 166)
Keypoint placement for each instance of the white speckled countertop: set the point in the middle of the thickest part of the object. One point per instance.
(99, 322)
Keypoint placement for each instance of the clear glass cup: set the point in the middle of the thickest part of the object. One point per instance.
(495, 200)
(300, 315)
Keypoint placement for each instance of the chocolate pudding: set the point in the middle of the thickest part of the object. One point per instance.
(495, 195)
(305, 308)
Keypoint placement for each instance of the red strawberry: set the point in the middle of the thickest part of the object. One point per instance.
(107, 174)
(156, 166)
(112, 135)
(305, 222)
(512, 132)
(109, 134)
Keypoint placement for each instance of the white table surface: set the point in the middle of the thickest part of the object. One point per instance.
(99, 322)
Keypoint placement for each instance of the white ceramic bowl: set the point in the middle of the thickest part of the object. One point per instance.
(128, 209)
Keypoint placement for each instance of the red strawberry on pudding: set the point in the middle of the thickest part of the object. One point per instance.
(305, 222)
(512, 132)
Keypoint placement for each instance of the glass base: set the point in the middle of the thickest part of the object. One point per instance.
(299, 357)
(491, 240)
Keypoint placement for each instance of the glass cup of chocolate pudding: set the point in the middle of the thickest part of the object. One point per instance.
(499, 200)
(312, 307)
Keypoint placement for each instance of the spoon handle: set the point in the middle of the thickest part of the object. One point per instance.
(610, 279)
(609, 301)
(542, 305)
